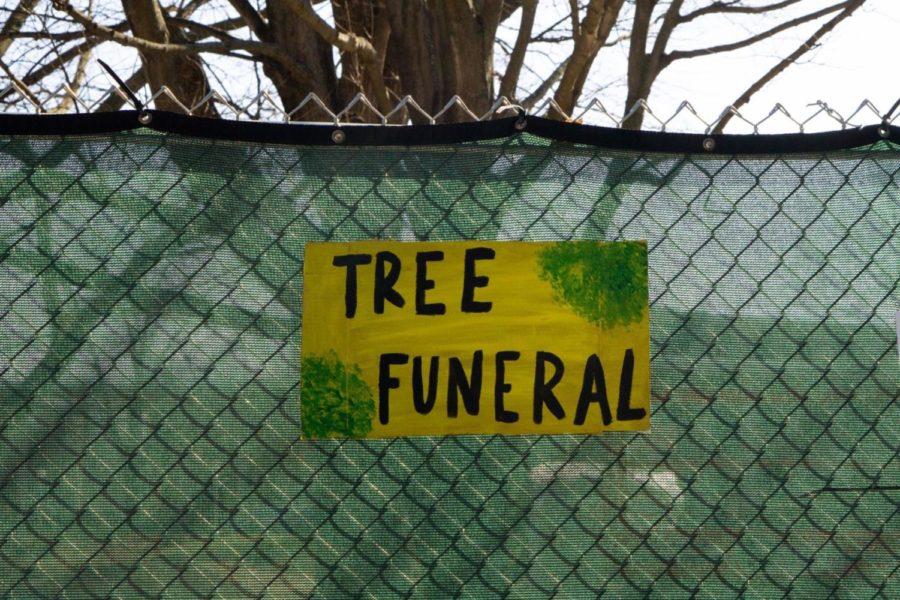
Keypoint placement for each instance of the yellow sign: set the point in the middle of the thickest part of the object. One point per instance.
(440, 338)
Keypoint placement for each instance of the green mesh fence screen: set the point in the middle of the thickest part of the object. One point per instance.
(150, 308)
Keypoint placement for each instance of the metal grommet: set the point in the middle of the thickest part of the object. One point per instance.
(338, 136)
(520, 124)
(709, 144)
(884, 131)
(144, 117)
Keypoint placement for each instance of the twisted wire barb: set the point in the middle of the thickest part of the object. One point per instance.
(685, 117)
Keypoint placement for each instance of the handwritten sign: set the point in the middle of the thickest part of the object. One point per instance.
(440, 338)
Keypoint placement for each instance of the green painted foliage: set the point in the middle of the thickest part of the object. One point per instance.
(604, 283)
(334, 400)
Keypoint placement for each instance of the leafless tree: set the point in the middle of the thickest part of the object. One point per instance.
(387, 49)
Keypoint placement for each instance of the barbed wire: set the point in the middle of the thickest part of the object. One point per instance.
(265, 108)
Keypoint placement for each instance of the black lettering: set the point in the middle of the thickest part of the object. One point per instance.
(501, 387)
(543, 389)
(593, 389)
(472, 281)
(424, 404)
(458, 384)
(386, 383)
(624, 412)
(351, 261)
(384, 283)
(424, 284)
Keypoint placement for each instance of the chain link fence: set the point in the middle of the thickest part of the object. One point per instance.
(150, 311)
(819, 115)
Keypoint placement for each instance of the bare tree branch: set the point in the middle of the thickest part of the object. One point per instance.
(357, 45)
(733, 8)
(51, 67)
(56, 36)
(14, 24)
(575, 19)
(252, 17)
(75, 85)
(48, 68)
(19, 84)
(211, 29)
(511, 77)
(347, 42)
(617, 40)
(593, 31)
(788, 61)
(545, 87)
(387, 48)
(644, 68)
(93, 28)
(114, 101)
(670, 20)
(553, 27)
(224, 46)
(190, 8)
(681, 54)
(509, 7)
(200, 28)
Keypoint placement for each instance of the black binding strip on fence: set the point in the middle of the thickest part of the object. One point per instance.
(451, 133)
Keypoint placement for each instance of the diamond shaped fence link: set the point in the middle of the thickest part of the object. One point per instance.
(149, 370)
(15, 97)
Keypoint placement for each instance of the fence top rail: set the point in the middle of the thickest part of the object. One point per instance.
(819, 115)
(321, 134)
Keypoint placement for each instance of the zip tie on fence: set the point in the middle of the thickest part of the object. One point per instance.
(143, 116)
(522, 122)
(885, 129)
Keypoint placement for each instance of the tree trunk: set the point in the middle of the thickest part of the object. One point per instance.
(183, 74)
(428, 49)
(309, 50)
(369, 20)
(644, 67)
(592, 33)
(442, 48)
(639, 77)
